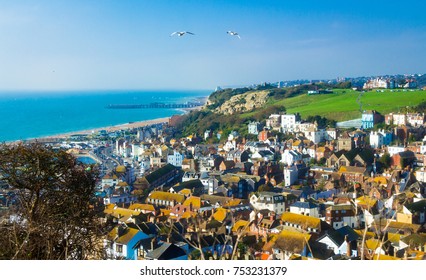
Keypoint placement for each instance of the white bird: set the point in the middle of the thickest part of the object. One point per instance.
(181, 33)
(233, 33)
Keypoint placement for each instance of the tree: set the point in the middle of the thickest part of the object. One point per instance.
(385, 160)
(56, 216)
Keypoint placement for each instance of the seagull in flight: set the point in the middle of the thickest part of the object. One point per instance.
(181, 33)
(233, 33)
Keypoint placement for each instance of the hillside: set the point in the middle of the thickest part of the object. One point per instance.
(233, 109)
(243, 102)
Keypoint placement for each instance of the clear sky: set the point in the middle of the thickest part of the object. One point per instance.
(102, 44)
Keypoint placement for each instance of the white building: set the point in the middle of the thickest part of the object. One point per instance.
(176, 159)
(254, 128)
(421, 175)
(290, 175)
(376, 139)
(416, 119)
(289, 157)
(274, 121)
(268, 200)
(331, 134)
(144, 165)
(288, 122)
(207, 134)
(396, 119)
(230, 145)
(305, 208)
(392, 150)
(316, 135)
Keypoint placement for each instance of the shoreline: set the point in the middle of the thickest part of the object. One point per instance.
(111, 128)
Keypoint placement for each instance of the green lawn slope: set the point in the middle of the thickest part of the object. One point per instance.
(342, 104)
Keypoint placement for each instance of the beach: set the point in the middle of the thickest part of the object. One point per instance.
(125, 126)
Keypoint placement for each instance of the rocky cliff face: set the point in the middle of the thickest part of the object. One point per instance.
(243, 102)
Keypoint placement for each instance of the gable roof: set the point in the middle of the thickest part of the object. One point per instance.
(349, 232)
(302, 220)
(159, 173)
(334, 236)
(140, 206)
(195, 201)
(220, 214)
(127, 235)
(166, 251)
(291, 241)
(419, 206)
(167, 196)
(305, 205)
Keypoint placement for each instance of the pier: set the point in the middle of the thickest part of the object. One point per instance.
(155, 105)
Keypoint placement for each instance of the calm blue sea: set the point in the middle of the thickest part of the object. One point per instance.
(25, 115)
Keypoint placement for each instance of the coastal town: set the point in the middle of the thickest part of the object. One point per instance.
(288, 190)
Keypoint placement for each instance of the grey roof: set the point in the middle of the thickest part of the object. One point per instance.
(306, 205)
(157, 253)
(166, 251)
(347, 230)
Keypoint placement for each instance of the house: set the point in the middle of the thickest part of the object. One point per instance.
(392, 150)
(176, 158)
(343, 242)
(268, 200)
(395, 119)
(322, 152)
(164, 198)
(403, 159)
(188, 164)
(353, 174)
(316, 135)
(291, 175)
(109, 180)
(305, 208)
(301, 223)
(370, 118)
(380, 138)
(265, 155)
(207, 134)
(254, 128)
(288, 122)
(274, 121)
(290, 157)
(417, 212)
(121, 242)
(237, 155)
(289, 243)
(194, 187)
(341, 215)
(415, 119)
(264, 135)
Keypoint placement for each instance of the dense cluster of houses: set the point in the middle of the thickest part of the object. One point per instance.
(321, 194)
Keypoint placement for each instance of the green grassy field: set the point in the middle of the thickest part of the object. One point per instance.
(341, 105)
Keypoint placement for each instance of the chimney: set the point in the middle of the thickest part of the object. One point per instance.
(348, 247)
(153, 243)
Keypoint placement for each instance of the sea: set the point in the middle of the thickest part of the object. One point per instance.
(27, 115)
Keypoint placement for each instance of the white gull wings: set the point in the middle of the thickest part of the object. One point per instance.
(233, 33)
(181, 33)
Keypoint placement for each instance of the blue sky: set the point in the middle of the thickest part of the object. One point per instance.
(102, 44)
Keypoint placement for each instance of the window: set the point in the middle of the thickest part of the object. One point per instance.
(119, 248)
